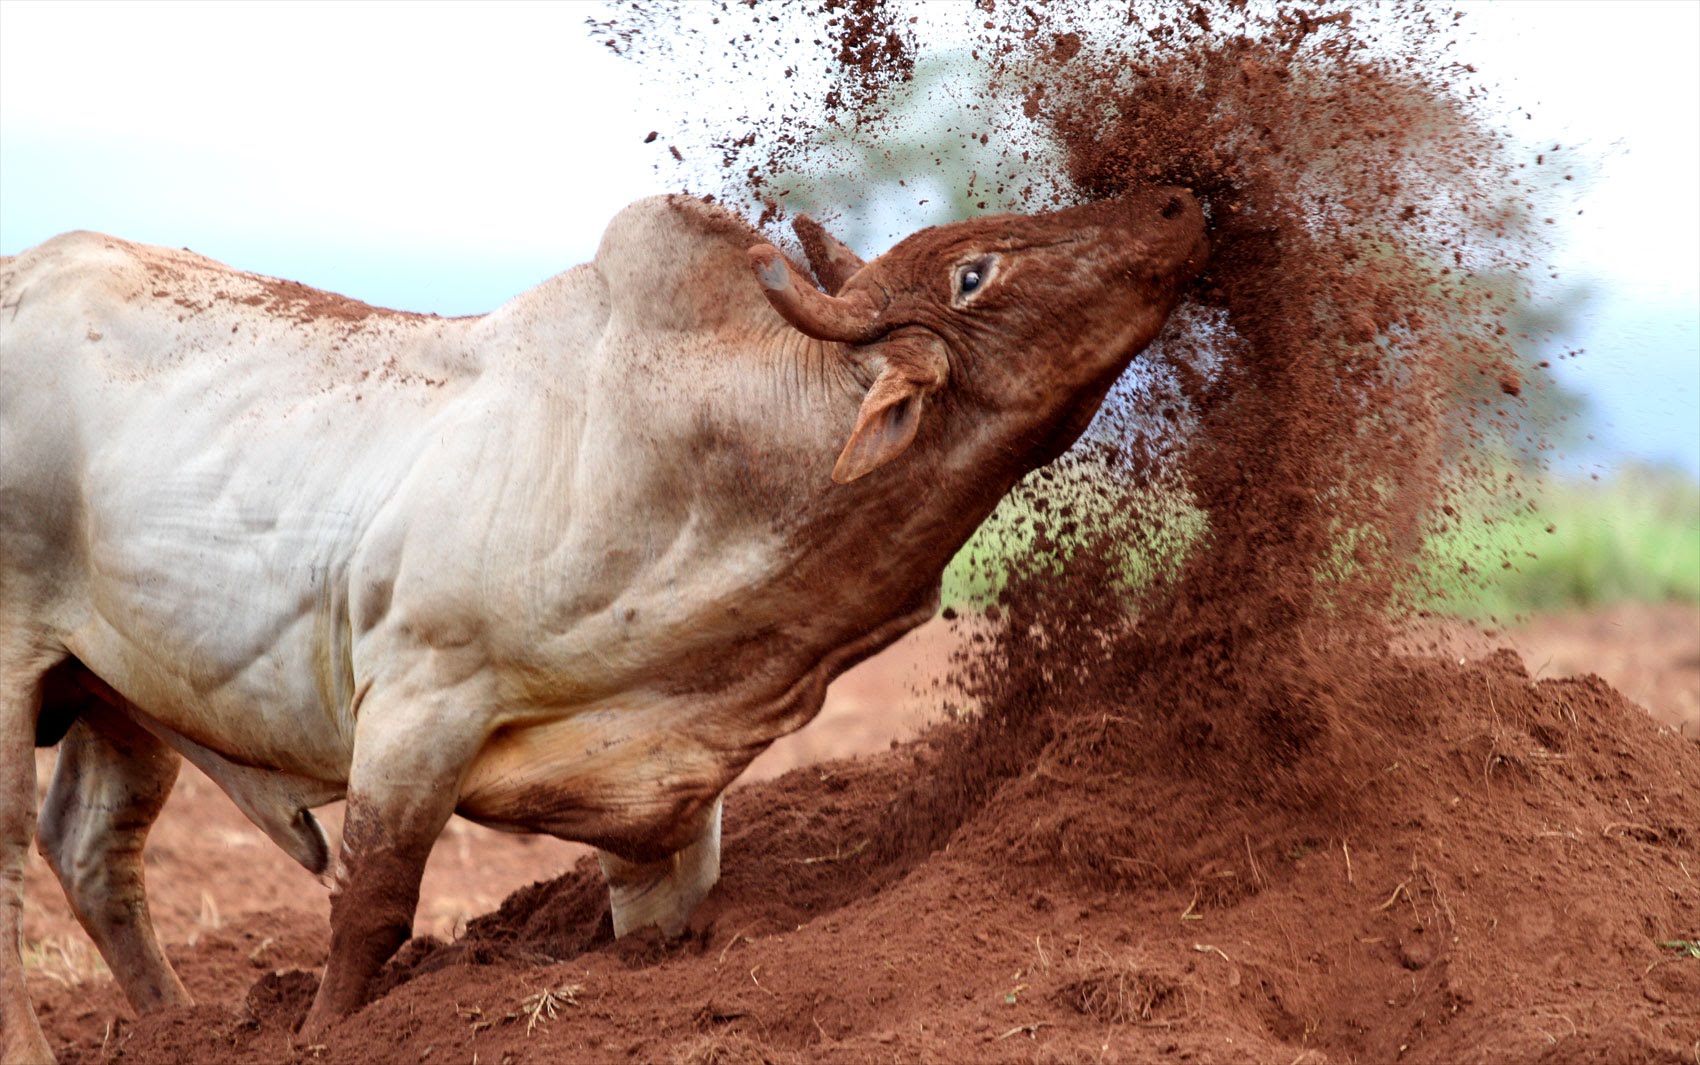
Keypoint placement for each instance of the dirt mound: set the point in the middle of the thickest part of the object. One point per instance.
(1495, 884)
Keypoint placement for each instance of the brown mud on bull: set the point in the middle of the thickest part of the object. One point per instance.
(564, 568)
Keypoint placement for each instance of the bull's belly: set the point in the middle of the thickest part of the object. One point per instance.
(267, 711)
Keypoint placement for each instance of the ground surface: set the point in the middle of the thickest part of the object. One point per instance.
(1500, 890)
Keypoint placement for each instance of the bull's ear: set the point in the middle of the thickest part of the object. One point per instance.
(891, 412)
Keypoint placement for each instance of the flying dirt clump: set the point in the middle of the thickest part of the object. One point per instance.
(1328, 393)
(1317, 388)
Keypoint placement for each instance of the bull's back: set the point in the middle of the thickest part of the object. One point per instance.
(188, 471)
(119, 365)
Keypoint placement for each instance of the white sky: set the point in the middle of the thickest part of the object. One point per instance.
(427, 133)
(444, 156)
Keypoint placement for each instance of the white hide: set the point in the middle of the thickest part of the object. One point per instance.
(264, 503)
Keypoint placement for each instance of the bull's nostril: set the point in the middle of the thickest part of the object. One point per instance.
(1172, 208)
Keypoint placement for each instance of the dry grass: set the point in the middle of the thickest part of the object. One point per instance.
(1125, 991)
(68, 960)
(542, 1007)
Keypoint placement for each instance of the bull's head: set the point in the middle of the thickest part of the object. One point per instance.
(1029, 318)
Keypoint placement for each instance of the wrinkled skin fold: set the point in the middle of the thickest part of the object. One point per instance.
(566, 567)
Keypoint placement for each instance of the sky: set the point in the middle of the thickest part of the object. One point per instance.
(444, 157)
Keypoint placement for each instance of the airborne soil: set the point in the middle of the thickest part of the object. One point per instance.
(1501, 891)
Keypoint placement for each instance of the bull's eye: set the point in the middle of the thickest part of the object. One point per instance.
(973, 276)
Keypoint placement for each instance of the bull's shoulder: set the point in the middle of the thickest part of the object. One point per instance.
(710, 219)
(657, 223)
(678, 263)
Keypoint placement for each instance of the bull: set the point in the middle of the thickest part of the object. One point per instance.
(566, 567)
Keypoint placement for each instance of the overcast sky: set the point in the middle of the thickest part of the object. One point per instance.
(443, 157)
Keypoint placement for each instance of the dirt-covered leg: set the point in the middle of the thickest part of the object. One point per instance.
(20, 695)
(384, 847)
(110, 782)
(664, 893)
(404, 784)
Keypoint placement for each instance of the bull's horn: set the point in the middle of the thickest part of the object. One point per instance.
(852, 319)
(831, 260)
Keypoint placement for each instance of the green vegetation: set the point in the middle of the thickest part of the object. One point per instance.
(1151, 538)
(1633, 538)
(1685, 948)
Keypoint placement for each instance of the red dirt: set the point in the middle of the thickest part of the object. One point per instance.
(1649, 653)
(1514, 865)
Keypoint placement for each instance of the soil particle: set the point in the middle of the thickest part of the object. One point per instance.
(293, 300)
(280, 999)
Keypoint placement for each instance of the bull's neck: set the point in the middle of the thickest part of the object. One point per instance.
(805, 378)
(880, 544)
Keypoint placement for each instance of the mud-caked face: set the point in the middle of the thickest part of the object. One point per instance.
(1031, 308)
(1026, 318)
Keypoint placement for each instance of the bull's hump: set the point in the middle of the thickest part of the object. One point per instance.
(678, 264)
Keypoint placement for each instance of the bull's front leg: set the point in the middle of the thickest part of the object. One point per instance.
(664, 893)
(402, 788)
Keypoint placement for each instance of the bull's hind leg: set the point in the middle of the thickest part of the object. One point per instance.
(664, 893)
(111, 780)
(20, 698)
